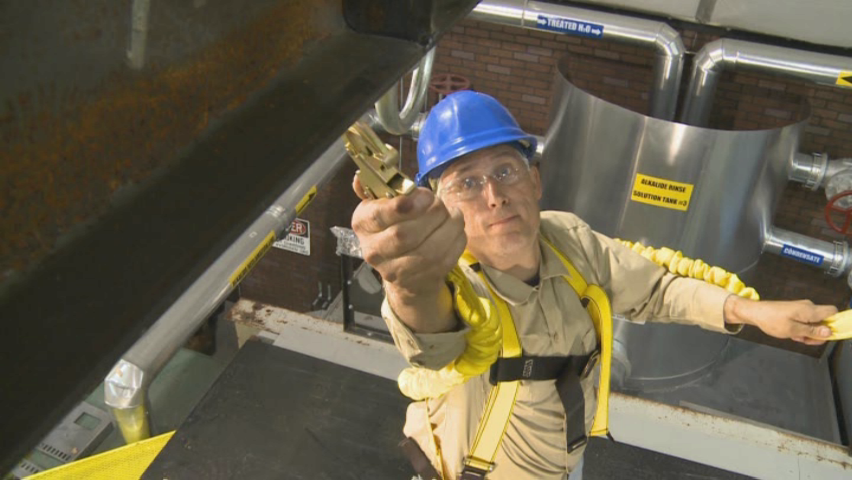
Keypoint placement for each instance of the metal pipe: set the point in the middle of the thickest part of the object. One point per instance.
(127, 383)
(832, 257)
(815, 170)
(809, 169)
(668, 63)
(725, 53)
(393, 120)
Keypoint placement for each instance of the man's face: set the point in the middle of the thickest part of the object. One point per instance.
(502, 218)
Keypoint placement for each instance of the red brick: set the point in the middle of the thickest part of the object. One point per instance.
(542, 35)
(526, 57)
(772, 85)
(476, 32)
(508, 62)
(506, 37)
(500, 53)
(528, 41)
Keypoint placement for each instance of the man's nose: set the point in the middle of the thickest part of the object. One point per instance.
(494, 193)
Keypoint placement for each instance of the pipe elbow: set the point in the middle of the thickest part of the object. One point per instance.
(668, 42)
(713, 57)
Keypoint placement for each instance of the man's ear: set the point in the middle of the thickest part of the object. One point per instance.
(536, 179)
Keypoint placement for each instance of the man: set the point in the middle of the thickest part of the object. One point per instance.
(482, 195)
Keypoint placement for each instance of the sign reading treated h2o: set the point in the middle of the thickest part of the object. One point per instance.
(661, 192)
(801, 255)
(569, 26)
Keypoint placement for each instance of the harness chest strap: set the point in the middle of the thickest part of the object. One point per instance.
(501, 400)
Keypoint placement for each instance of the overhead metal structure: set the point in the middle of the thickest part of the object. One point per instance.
(130, 166)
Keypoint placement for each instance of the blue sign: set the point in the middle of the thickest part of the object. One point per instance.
(803, 256)
(570, 26)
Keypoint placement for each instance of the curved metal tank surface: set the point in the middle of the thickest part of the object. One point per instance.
(595, 158)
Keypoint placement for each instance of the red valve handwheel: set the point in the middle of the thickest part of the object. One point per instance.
(447, 83)
(833, 207)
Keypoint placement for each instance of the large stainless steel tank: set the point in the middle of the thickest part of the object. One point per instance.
(710, 193)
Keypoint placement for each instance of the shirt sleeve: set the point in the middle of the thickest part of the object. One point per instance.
(643, 290)
(428, 350)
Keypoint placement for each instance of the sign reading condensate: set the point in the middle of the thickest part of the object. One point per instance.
(299, 238)
(801, 255)
(569, 26)
(661, 192)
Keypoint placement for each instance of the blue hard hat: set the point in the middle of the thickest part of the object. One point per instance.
(462, 123)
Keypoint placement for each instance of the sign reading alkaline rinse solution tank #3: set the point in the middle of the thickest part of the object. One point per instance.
(569, 26)
(661, 192)
(299, 238)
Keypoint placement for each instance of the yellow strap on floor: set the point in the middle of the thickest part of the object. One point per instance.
(125, 463)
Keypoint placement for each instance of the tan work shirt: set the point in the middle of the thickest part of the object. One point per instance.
(550, 321)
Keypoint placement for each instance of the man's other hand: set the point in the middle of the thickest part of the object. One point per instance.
(799, 320)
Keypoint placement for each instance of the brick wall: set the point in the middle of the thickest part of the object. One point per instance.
(517, 67)
(287, 279)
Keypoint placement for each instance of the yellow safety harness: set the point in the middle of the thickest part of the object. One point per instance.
(501, 400)
(493, 334)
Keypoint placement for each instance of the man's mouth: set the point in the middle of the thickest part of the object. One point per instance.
(503, 221)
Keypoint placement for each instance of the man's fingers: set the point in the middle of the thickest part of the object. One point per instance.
(824, 311)
(408, 235)
(358, 188)
(808, 341)
(376, 216)
(815, 331)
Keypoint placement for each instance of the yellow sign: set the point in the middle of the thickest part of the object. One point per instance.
(252, 260)
(306, 200)
(844, 79)
(661, 192)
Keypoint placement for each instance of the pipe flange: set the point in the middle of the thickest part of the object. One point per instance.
(840, 262)
(817, 171)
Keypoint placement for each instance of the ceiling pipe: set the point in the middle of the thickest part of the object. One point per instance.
(668, 61)
(725, 54)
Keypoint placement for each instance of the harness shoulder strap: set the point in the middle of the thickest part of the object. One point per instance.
(501, 400)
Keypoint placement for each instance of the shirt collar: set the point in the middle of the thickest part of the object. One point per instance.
(515, 291)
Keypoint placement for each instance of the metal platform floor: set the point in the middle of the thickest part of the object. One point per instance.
(274, 414)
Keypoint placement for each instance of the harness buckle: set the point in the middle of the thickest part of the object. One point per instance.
(477, 472)
(591, 363)
(580, 442)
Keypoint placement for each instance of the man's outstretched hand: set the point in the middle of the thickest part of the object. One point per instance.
(799, 320)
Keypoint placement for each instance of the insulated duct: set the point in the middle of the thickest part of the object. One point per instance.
(668, 61)
(726, 53)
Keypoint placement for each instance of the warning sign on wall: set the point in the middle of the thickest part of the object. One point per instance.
(299, 238)
(661, 192)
